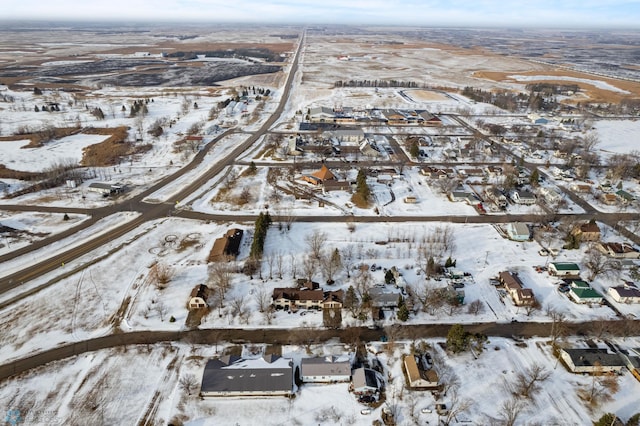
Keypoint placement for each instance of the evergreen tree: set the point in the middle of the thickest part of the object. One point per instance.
(534, 178)
(252, 168)
(403, 313)
(414, 150)
(457, 339)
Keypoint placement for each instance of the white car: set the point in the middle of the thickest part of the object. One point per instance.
(365, 411)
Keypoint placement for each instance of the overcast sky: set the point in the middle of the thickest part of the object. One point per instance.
(543, 13)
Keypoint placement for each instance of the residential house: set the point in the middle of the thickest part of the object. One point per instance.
(348, 135)
(626, 293)
(418, 376)
(518, 231)
(332, 299)
(587, 232)
(493, 171)
(235, 376)
(429, 119)
(321, 115)
(226, 247)
(324, 174)
(562, 269)
(609, 199)
(394, 117)
(551, 196)
(470, 172)
(336, 185)
(198, 297)
(581, 187)
(625, 197)
(438, 173)
(325, 370)
(465, 196)
(522, 197)
(384, 298)
(365, 381)
(369, 148)
(582, 293)
(495, 195)
(295, 298)
(619, 250)
(591, 361)
(521, 296)
(320, 176)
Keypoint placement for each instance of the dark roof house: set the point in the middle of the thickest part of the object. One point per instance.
(235, 376)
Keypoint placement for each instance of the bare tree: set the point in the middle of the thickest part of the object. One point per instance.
(602, 387)
(161, 274)
(599, 264)
(188, 383)
(559, 326)
(220, 278)
(161, 309)
(316, 241)
(600, 327)
(476, 307)
(590, 141)
(532, 307)
(309, 267)
(271, 259)
(528, 381)
(239, 308)
(294, 265)
(457, 405)
(363, 281)
(279, 263)
(510, 410)
(330, 264)
(347, 260)
(263, 299)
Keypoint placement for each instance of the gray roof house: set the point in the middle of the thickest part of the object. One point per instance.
(591, 360)
(384, 298)
(364, 381)
(325, 370)
(235, 376)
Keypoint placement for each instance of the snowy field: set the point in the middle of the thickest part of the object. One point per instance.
(33, 226)
(618, 136)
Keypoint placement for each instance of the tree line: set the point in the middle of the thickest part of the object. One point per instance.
(377, 83)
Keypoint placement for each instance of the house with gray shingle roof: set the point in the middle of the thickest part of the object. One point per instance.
(235, 376)
(325, 370)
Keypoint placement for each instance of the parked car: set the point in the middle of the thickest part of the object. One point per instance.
(365, 411)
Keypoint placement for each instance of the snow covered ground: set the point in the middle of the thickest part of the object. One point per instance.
(140, 382)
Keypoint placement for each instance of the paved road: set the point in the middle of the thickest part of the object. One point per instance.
(289, 336)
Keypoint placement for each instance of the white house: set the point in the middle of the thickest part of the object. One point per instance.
(325, 370)
(627, 293)
(581, 292)
(522, 197)
(198, 297)
(518, 231)
(560, 269)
